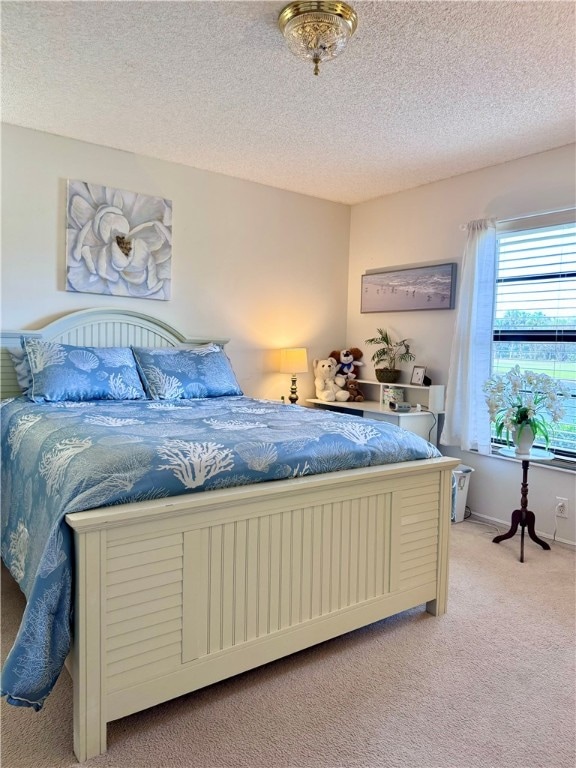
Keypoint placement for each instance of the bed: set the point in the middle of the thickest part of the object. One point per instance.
(174, 593)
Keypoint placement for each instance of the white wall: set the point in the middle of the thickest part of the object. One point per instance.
(265, 267)
(424, 225)
(270, 268)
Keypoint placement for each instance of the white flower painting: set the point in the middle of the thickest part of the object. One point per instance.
(118, 243)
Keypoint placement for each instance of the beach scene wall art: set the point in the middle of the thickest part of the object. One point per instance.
(403, 290)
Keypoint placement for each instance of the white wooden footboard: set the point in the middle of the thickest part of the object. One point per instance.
(178, 594)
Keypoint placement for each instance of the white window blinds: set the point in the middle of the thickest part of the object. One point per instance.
(535, 308)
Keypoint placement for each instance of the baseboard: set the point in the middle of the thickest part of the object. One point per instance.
(505, 525)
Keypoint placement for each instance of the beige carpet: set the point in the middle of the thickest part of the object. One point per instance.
(489, 685)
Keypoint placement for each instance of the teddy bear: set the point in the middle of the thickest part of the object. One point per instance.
(351, 386)
(349, 361)
(328, 384)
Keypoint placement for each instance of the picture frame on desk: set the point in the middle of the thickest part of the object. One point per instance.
(418, 375)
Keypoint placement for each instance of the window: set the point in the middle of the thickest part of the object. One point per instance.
(535, 308)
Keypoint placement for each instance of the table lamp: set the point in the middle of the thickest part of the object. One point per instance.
(293, 361)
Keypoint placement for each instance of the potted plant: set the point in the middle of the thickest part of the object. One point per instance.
(390, 352)
(523, 405)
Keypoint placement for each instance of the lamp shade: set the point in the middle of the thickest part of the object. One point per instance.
(294, 360)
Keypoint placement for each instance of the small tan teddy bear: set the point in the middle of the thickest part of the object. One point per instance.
(351, 386)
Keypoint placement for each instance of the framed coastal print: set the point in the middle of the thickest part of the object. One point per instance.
(403, 290)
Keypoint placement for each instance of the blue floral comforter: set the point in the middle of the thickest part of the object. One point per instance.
(67, 457)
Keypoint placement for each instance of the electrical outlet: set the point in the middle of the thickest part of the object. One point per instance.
(561, 508)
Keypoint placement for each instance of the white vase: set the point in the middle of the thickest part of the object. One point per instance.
(523, 440)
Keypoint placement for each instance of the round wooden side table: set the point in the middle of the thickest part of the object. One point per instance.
(523, 517)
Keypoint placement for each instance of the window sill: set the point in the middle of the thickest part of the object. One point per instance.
(557, 464)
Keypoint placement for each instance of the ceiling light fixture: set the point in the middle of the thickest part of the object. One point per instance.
(317, 30)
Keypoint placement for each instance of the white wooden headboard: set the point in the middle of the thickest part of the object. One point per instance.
(95, 328)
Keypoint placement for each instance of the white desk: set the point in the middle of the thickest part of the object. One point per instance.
(422, 421)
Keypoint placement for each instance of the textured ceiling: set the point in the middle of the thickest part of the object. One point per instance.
(425, 90)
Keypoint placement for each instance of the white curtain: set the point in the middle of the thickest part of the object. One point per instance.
(466, 422)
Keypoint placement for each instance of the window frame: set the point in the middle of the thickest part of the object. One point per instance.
(563, 459)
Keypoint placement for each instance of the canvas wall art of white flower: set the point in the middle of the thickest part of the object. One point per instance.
(118, 243)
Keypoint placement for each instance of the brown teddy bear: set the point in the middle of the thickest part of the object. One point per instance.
(349, 361)
(352, 387)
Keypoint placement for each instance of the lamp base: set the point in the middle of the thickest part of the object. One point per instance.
(293, 397)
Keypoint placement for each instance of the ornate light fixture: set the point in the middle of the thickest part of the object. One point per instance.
(317, 30)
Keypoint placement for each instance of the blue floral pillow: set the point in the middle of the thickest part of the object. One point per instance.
(171, 373)
(63, 372)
